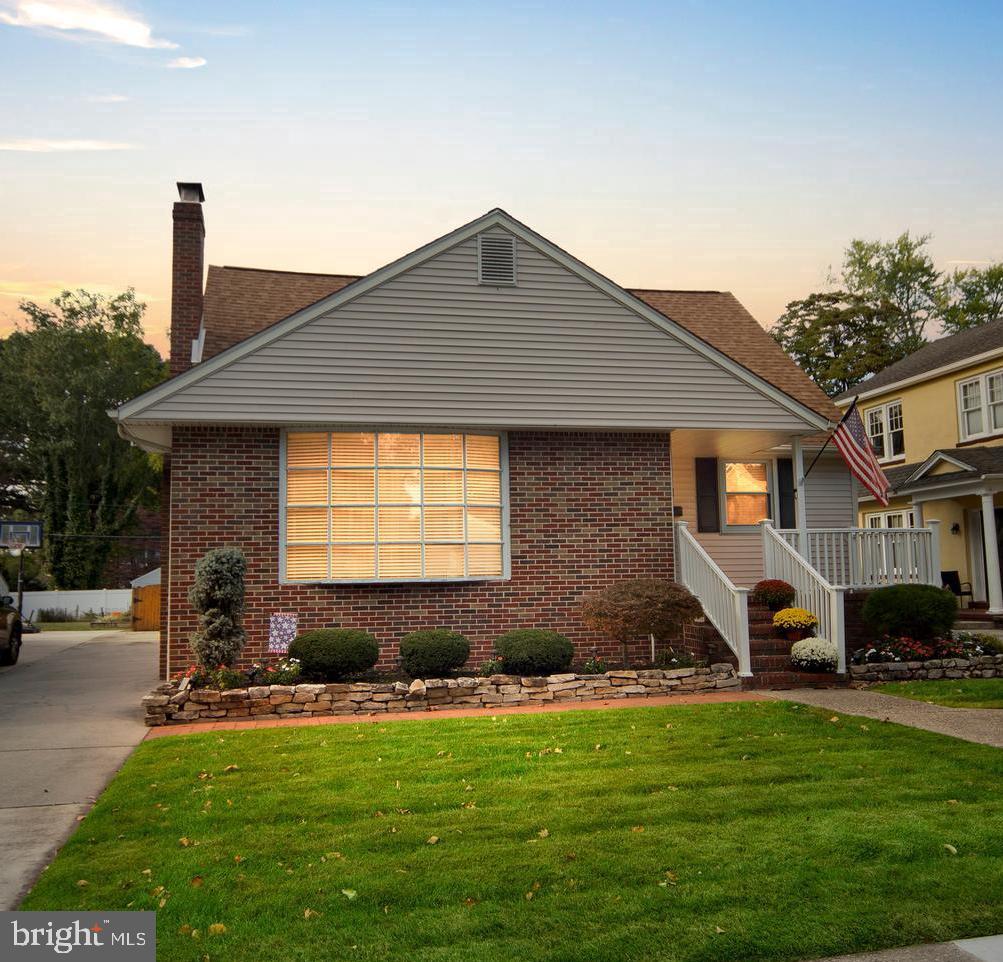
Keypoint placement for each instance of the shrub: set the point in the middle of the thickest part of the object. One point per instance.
(433, 653)
(640, 606)
(493, 666)
(286, 671)
(333, 654)
(915, 611)
(594, 666)
(218, 596)
(677, 659)
(534, 651)
(773, 593)
(814, 654)
(794, 619)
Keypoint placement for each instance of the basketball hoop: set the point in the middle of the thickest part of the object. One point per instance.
(16, 547)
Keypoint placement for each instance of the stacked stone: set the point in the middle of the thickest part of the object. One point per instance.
(979, 666)
(177, 704)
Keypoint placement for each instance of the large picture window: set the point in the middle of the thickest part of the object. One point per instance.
(375, 506)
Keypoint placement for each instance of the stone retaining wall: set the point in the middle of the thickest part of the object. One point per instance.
(981, 666)
(172, 704)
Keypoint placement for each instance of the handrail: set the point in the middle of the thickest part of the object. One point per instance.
(812, 591)
(725, 605)
(870, 557)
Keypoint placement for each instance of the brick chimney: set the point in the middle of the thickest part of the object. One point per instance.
(187, 269)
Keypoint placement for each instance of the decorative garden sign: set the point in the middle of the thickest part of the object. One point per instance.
(281, 632)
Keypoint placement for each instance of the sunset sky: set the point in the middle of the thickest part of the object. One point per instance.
(736, 146)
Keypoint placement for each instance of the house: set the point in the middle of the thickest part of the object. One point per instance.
(935, 419)
(474, 436)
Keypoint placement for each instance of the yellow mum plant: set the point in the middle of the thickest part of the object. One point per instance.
(794, 619)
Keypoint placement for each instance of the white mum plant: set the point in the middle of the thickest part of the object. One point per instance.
(814, 654)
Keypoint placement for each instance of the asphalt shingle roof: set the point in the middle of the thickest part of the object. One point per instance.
(945, 350)
(983, 460)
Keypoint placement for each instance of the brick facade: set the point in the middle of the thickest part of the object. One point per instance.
(186, 283)
(586, 509)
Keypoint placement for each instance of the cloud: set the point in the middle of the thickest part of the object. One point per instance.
(186, 63)
(85, 19)
(106, 98)
(35, 145)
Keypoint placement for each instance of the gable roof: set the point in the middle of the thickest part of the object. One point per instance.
(971, 462)
(943, 352)
(717, 327)
(240, 301)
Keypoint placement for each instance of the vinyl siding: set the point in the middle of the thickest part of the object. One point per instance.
(434, 347)
(740, 554)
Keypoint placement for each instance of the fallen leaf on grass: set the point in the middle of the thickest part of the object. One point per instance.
(469, 903)
(184, 841)
(197, 881)
(349, 894)
(951, 848)
(217, 928)
(310, 914)
(835, 718)
(638, 828)
(718, 929)
(432, 840)
(543, 833)
(232, 768)
(238, 859)
(82, 882)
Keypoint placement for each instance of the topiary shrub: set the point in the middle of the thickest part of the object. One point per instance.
(773, 593)
(640, 606)
(534, 651)
(433, 653)
(916, 611)
(333, 654)
(218, 596)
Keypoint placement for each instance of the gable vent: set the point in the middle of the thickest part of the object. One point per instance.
(496, 259)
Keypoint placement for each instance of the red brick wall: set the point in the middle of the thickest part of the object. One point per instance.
(186, 283)
(586, 510)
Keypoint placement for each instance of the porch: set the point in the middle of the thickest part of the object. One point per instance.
(822, 564)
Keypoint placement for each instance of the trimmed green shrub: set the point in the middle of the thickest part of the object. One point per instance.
(534, 651)
(433, 653)
(913, 611)
(217, 594)
(333, 654)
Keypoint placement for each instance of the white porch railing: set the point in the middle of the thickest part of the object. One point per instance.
(870, 557)
(812, 591)
(725, 605)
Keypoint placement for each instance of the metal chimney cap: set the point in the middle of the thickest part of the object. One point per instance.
(191, 192)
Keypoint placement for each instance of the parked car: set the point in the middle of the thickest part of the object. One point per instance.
(10, 631)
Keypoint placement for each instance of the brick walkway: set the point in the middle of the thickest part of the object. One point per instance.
(711, 698)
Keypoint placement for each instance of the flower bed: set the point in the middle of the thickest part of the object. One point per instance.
(177, 703)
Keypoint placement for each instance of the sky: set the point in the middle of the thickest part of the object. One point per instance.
(731, 146)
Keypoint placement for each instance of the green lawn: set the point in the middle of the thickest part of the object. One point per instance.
(961, 693)
(755, 830)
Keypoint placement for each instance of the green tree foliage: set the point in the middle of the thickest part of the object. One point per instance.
(973, 297)
(217, 594)
(839, 338)
(63, 368)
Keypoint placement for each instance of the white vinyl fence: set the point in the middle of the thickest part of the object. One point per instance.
(100, 601)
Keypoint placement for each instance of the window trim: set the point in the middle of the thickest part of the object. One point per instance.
(908, 515)
(506, 544)
(771, 492)
(988, 430)
(882, 409)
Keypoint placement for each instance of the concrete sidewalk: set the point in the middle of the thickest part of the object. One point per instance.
(982, 725)
(988, 949)
(69, 717)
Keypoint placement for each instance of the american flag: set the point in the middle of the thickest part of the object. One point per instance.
(853, 443)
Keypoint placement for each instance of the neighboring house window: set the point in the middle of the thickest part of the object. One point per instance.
(890, 519)
(746, 492)
(980, 403)
(392, 507)
(885, 429)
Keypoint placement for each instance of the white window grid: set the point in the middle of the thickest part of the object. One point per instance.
(980, 406)
(330, 544)
(725, 491)
(883, 423)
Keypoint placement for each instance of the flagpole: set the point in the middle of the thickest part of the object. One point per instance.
(821, 450)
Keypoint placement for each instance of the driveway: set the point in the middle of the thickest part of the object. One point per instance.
(69, 717)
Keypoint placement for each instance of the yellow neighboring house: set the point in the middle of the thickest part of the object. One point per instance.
(935, 419)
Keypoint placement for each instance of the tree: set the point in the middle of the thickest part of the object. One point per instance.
(217, 594)
(839, 338)
(899, 273)
(64, 367)
(973, 297)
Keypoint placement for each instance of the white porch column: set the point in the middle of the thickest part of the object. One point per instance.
(917, 514)
(994, 588)
(800, 501)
